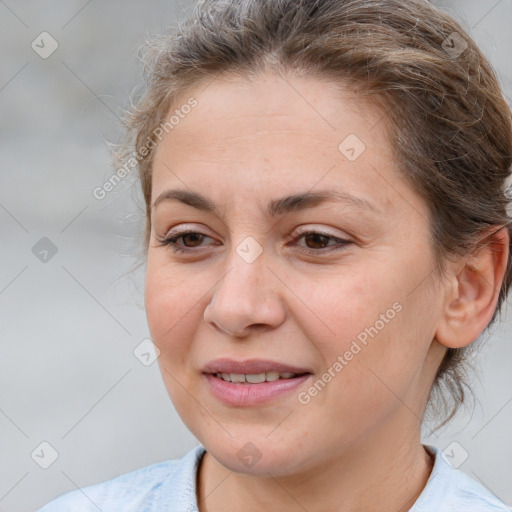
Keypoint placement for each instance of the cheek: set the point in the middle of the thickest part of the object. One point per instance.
(173, 314)
(366, 332)
(173, 307)
(340, 309)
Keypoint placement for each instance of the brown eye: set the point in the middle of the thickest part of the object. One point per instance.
(317, 240)
(193, 237)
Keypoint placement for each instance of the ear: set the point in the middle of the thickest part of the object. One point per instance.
(473, 291)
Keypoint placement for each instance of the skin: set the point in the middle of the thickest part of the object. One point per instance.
(248, 142)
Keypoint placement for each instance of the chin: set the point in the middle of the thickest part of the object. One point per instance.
(258, 458)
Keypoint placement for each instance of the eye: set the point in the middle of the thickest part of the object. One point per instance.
(319, 238)
(171, 240)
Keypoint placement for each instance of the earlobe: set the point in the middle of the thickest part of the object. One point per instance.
(473, 291)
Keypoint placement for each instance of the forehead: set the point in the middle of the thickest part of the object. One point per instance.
(276, 135)
(229, 108)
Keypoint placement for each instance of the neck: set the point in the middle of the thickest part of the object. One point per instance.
(386, 472)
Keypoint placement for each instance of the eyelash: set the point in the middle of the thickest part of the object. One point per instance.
(176, 248)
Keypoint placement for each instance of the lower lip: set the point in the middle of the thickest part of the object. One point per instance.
(252, 394)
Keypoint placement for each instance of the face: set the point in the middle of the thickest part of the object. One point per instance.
(340, 289)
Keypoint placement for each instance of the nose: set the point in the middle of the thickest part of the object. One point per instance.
(246, 299)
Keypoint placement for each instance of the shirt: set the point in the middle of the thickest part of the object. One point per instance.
(170, 486)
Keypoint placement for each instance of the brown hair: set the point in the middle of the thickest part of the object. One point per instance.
(449, 124)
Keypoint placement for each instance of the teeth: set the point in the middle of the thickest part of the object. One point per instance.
(254, 378)
(270, 376)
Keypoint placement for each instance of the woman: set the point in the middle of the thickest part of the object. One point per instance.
(326, 236)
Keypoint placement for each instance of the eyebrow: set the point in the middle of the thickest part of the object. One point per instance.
(275, 207)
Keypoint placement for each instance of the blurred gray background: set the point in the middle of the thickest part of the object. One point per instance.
(72, 313)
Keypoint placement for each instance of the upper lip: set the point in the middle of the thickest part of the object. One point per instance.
(250, 366)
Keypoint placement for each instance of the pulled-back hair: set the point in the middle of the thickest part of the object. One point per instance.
(446, 117)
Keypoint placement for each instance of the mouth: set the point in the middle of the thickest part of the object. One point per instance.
(251, 389)
(253, 382)
(257, 378)
(258, 370)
